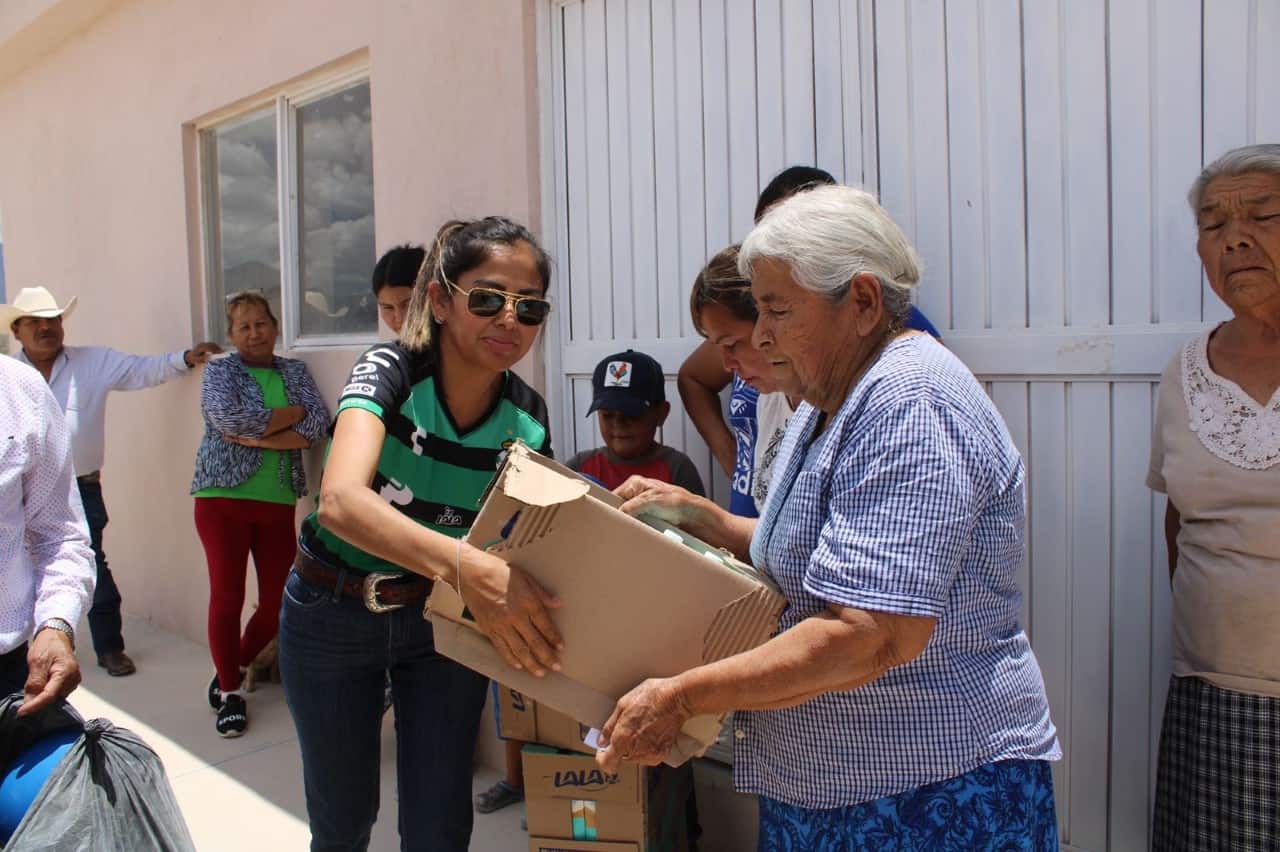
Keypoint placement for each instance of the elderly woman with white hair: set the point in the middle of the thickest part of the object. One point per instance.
(1216, 454)
(900, 705)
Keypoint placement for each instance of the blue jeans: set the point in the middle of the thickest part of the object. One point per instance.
(334, 659)
(104, 615)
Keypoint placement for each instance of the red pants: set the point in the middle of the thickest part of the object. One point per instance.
(230, 530)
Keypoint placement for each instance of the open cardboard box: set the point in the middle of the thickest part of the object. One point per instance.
(521, 718)
(641, 598)
(552, 844)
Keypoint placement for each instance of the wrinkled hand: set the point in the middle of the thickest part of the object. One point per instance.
(199, 354)
(53, 672)
(657, 499)
(242, 440)
(511, 609)
(644, 725)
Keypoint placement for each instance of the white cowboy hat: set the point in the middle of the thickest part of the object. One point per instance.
(34, 302)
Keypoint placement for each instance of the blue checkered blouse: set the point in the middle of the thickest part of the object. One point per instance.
(910, 502)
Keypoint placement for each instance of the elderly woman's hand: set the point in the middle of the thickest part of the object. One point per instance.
(695, 515)
(511, 609)
(644, 725)
(657, 499)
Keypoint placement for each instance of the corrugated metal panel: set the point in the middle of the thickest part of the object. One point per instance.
(1038, 156)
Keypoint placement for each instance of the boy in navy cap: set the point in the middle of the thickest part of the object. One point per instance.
(630, 402)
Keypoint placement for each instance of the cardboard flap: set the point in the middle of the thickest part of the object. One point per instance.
(744, 624)
(445, 601)
(535, 484)
(467, 645)
(522, 451)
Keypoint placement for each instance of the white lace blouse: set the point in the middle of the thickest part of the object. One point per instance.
(1216, 452)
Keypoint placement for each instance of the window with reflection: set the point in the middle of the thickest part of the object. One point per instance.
(308, 249)
(244, 210)
(335, 214)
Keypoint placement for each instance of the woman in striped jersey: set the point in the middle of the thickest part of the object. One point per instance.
(420, 426)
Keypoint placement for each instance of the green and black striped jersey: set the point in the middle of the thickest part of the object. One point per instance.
(428, 470)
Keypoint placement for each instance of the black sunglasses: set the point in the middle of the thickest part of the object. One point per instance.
(486, 302)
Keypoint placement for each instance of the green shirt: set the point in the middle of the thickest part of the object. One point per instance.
(273, 481)
(429, 470)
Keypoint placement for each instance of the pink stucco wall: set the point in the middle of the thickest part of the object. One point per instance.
(97, 187)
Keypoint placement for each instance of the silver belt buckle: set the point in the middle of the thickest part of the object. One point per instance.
(371, 601)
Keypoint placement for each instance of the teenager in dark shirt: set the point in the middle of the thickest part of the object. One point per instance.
(725, 314)
(393, 278)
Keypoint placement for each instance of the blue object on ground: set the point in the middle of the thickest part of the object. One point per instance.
(25, 776)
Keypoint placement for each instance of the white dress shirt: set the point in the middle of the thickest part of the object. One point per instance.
(81, 379)
(46, 565)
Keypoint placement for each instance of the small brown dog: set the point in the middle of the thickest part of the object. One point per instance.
(265, 667)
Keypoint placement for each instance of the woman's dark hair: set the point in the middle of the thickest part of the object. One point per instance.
(460, 246)
(398, 267)
(788, 182)
(720, 283)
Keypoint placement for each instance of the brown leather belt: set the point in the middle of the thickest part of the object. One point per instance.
(379, 591)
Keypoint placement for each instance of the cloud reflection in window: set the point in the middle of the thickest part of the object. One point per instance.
(335, 213)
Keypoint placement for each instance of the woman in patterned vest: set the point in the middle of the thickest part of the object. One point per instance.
(260, 412)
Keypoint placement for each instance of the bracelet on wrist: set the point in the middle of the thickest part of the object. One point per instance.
(457, 569)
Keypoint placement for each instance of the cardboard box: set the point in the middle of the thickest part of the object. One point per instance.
(560, 730)
(640, 598)
(522, 718)
(516, 715)
(552, 844)
(567, 796)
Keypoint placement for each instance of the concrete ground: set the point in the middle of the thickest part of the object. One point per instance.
(245, 794)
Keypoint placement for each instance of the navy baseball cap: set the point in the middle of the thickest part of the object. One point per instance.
(630, 382)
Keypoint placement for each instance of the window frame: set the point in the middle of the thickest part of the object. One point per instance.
(283, 104)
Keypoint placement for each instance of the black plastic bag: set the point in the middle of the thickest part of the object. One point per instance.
(109, 792)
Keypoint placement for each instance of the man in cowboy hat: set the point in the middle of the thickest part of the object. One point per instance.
(80, 378)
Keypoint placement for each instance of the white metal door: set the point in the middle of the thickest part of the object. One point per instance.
(663, 120)
(1038, 153)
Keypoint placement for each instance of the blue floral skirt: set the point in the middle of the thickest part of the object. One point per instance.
(1002, 806)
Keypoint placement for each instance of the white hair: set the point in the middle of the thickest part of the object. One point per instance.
(829, 234)
(1238, 161)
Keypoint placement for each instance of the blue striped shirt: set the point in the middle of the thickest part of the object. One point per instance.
(910, 502)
